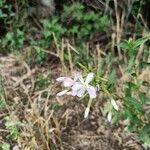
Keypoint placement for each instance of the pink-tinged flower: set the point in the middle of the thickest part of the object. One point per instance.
(79, 88)
(114, 104)
(68, 82)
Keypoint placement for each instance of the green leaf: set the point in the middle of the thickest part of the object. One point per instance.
(133, 119)
(144, 64)
(5, 146)
(124, 45)
(142, 97)
(112, 78)
(83, 67)
(130, 87)
(2, 104)
(145, 135)
(133, 103)
(140, 41)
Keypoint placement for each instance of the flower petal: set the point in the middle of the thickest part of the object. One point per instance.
(81, 92)
(81, 78)
(86, 113)
(68, 82)
(109, 116)
(77, 86)
(62, 93)
(60, 79)
(69, 93)
(89, 78)
(76, 76)
(114, 104)
(72, 93)
(92, 91)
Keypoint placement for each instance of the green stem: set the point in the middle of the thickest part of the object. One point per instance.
(106, 91)
(102, 79)
(89, 103)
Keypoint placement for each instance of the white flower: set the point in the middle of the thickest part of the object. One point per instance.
(109, 116)
(79, 88)
(62, 93)
(86, 113)
(114, 104)
(68, 82)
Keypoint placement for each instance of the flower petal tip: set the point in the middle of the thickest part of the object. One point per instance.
(109, 116)
(62, 93)
(114, 104)
(86, 113)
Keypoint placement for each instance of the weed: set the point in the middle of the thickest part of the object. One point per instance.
(40, 55)
(51, 27)
(42, 81)
(11, 126)
(2, 103)
(82, 24)
(13, 40)
(35, 55)
(5, 146)
(135, 97)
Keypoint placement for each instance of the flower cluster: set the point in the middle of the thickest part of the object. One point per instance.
(77, 86)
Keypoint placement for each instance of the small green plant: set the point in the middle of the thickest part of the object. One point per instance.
(135, 97)
(35, 55)
(132, 46)
(4, 146)
(82, 24)
(73, 22)
(13, 40)
(11, 126)
(2, 103)
(42, 81)
(40, 54)
(50, 28)
(6, 11)
(134, 101)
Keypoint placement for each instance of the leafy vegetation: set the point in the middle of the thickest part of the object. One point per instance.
(107, 41)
